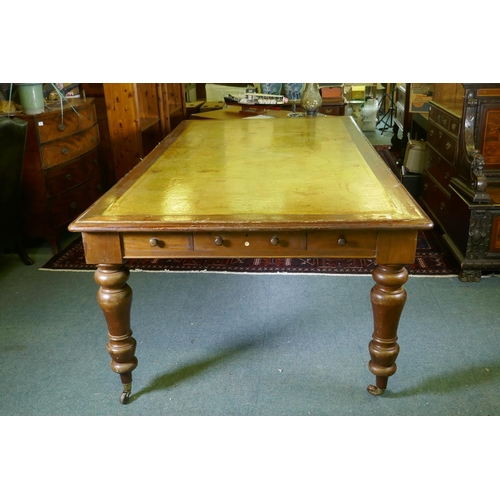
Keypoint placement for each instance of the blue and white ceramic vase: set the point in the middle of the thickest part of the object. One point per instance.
(293, 91)
(311, 99)
(270, 88)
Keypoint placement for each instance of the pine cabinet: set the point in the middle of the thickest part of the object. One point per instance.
(139, 116)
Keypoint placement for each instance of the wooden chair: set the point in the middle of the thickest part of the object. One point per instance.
(13, 132)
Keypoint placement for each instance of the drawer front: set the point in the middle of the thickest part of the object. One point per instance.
(360, 244)
(69, 148)
(439, 168)
(454, 125)
(151, 244)
(442, 142)
(258, 243)
(63, 177)
(69, 205)
(442, 119)
(87, 117)
(342, 243)
(436, 200)
(52, 127)
(432, 113)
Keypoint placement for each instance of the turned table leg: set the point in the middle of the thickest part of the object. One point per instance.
(388, 298)
(115, 299)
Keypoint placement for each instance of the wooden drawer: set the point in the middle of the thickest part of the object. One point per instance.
(69, 148)
(447, 121)
(258, 243)
(69, 205)
(342, 243)
(359, 244)
(443, 142)
(454, 126)
(52, 127)
(436, 200)
(152, 244)
(438, 167)
(63, 177)
(87, 117)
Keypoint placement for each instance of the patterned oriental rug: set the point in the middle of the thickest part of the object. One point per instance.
(432, 259)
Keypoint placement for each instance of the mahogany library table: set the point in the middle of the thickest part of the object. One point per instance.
(306, 187)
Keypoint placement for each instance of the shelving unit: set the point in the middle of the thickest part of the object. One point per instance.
(136, 118)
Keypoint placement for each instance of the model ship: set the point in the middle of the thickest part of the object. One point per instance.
(254, 99)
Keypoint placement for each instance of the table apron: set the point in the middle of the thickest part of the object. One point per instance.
(385, 246)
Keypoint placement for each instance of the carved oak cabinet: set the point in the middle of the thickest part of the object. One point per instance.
(461, 188)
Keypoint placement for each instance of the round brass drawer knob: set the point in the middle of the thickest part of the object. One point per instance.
(69, 177)
(153, 242)
(219, 241)
(73, 205)
(64, 151)
(275, 241)
(61, 126)
(342, 242)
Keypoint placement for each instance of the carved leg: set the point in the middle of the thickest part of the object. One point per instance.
(115, 299)
(470, 275)
(26, 259)
(388, 299)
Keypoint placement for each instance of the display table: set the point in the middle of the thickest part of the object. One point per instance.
(311, 187)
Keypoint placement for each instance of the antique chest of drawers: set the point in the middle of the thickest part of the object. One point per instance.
(440, 156)
(62, 175)
(461, 180)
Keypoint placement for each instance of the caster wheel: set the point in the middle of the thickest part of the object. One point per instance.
(374, 391)
(125, 395)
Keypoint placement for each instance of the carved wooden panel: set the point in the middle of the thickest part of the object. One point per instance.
(491, 138)
(495, 235)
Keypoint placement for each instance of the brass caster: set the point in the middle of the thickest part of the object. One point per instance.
(374, 390)
(125, 395)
